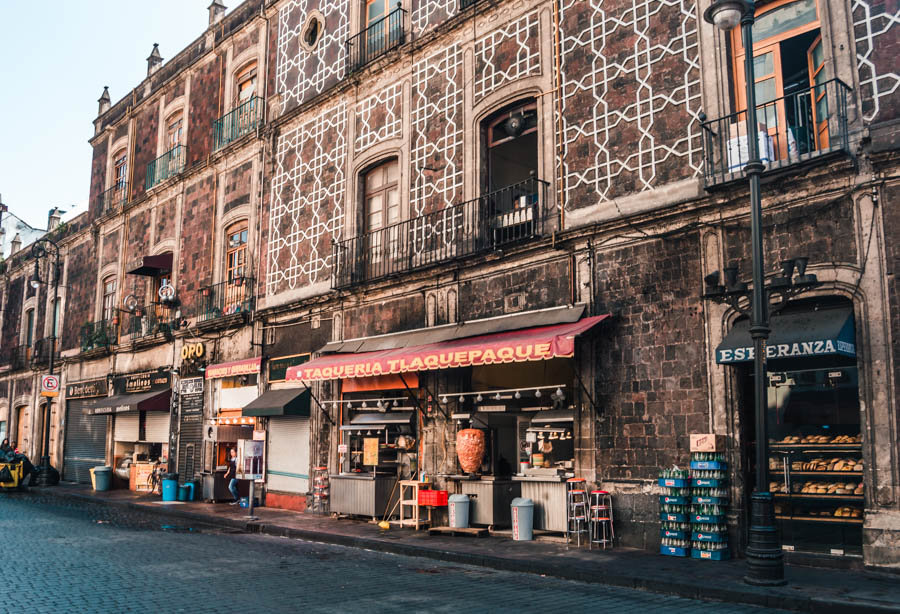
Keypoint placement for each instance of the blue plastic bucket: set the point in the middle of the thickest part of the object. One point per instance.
(102, 477)
(170, 487)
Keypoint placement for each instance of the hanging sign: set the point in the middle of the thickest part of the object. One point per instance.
(50, 386)
(370, 451)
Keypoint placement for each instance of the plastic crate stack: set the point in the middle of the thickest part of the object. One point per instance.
(709, 531)
(674, 512)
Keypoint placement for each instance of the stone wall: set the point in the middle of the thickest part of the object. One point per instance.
(145, 138)
(81, 279)
(12, 314)
(205, 108)
(196, 260)
(526, 288)
(98, 176)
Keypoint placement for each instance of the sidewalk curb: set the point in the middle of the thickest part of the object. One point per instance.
(728, 594)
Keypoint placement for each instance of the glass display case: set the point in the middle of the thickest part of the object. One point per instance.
(815, 459)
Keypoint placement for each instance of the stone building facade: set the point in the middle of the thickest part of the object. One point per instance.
(458, 162)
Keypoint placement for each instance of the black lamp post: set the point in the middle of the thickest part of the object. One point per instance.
(47, 475)
(765, 560)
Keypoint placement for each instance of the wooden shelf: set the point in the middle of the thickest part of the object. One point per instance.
(831, 497)
(824, 474)
(816, 447)
(833, 519)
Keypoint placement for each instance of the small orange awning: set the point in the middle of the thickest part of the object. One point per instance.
(539, 343)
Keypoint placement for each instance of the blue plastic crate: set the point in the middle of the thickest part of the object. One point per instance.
(674, 482)
(707, 482)
(717, 465)
(710, 555)
(707, 519)
(673, 500)
(708, 537)
(674, 551)
(672, 517)
(671, 534)
(710, 500)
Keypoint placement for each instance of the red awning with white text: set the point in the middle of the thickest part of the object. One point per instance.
(540, 343)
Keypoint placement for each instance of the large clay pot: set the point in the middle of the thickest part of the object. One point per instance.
(470, 449)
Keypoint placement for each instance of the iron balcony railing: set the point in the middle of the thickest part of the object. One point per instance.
(239, 122)
(149, 320)
(95, 335)
(113, 198)
(381, 36)
(794, 128)
(167, 165)
(40, 354)
(464, 4)
(506, 216)
(226, 298)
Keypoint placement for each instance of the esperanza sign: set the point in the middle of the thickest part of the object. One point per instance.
(820, 347)
(542, 343)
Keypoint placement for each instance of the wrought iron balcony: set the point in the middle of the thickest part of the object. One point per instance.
(239, 122)
(381, 36)
(167, 165)
(149, 320)
(225, 299)
(96, 335)
(504, 217)
(800, 126)
(40, 354)
(114, 198)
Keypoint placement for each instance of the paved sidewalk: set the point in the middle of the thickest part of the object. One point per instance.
(809, 589)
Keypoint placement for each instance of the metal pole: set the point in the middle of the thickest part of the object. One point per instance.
(49, 476)
(765, 560)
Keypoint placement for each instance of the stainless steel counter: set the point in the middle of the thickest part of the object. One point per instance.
(549, 496)
(363, 494)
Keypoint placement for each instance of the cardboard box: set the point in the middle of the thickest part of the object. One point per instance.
(707, 442)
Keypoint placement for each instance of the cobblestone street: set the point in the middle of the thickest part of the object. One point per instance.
(83, 557)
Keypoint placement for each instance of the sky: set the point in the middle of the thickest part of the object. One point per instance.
(55, 58)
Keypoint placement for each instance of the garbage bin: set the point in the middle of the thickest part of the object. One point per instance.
(195, 489)
(101, 477)
(459, 511)
(522, 519)
(170, 486)
(184, 492)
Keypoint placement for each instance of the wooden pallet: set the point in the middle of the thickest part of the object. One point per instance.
(470, 531)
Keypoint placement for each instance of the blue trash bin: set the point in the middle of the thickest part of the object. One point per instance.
(183, 492)
(170, 487)
(459, 511)
(102, 478)
(522, 519)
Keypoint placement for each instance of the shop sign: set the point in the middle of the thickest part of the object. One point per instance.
(191, 399)
(230, 369)
(278, 366)
(370, 451)
(190, 351)
(142, 382)
(87, 389)
(821, 347)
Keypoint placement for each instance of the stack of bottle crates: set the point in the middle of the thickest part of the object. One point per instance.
(709, 530)
(674, 512)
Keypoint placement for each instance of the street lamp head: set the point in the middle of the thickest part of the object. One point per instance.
(36, 277)
(726, 14)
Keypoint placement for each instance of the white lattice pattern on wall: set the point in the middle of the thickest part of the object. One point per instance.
(527, 61)
(296, 77)
(379, 117)
(436, 156)
(596, 63)
(869, 28)
(432, 12)
(307, 210)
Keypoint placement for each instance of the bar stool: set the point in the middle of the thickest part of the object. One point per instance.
(577, 512)
(601, 519)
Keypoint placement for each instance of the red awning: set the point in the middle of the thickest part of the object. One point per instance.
(151, 266)
(540, 343)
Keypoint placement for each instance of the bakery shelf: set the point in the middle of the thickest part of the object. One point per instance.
(824, 474)
(835, 519)
(816, 447)
(831, 497)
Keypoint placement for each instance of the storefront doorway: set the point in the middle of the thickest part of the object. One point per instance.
(815, 465)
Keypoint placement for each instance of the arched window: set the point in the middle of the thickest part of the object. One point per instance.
(174, 131)
(381, 211)
(511, 146)
(109, 299)
(244, 85)
(29, 328)
(236, 292)
(120, 169)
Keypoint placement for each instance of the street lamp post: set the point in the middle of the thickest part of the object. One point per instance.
(47, 475)
(765, 560)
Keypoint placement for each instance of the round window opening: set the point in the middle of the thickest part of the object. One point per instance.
(313, 30)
